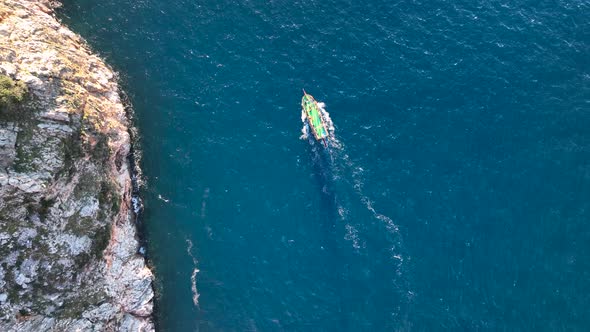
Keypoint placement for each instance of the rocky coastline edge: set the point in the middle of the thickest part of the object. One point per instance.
(69, 250)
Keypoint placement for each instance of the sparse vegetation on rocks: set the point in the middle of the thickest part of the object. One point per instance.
(12, 93)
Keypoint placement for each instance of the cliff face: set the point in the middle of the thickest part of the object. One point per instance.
(68, 247)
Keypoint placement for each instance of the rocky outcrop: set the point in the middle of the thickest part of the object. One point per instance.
(68, 247)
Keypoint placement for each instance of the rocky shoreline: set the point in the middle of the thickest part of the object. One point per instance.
(68, 241)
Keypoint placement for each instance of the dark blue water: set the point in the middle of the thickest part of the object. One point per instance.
(457, 192)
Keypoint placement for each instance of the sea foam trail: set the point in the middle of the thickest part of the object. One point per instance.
(343, 167)
(345, 160)
(196, 295)
(305, 128)
(327, 120)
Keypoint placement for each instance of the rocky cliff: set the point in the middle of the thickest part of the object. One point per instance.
(68, 247)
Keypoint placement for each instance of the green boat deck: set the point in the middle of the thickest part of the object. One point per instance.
(314, 116)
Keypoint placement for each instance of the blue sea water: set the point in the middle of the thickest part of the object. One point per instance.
(456, 193)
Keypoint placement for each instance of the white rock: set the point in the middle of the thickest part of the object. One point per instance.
(4, 237)
(7, 68)
(29, 268)
(59, 114)
(21, 279)
(2, 273)
(11, 259)
(75, 244)
(25, 236)
(3, 179)
(135, 324)
(90, 208)
(4, 30)
(33, 82)
(55, 128)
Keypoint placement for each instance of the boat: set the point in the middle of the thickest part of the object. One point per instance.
(314, 118)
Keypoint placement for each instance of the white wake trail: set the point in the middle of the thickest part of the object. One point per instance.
(196, 294)
(349, 180)
(305, 128)
(344, 167)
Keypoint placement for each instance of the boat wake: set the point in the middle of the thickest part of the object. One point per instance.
(347, 180)
(327, 119)
(305, 129)
(347, 173)
(196, 295)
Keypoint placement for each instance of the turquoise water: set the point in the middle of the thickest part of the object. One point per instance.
(456, 193)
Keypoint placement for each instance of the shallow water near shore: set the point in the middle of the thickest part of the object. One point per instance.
(456, 193)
